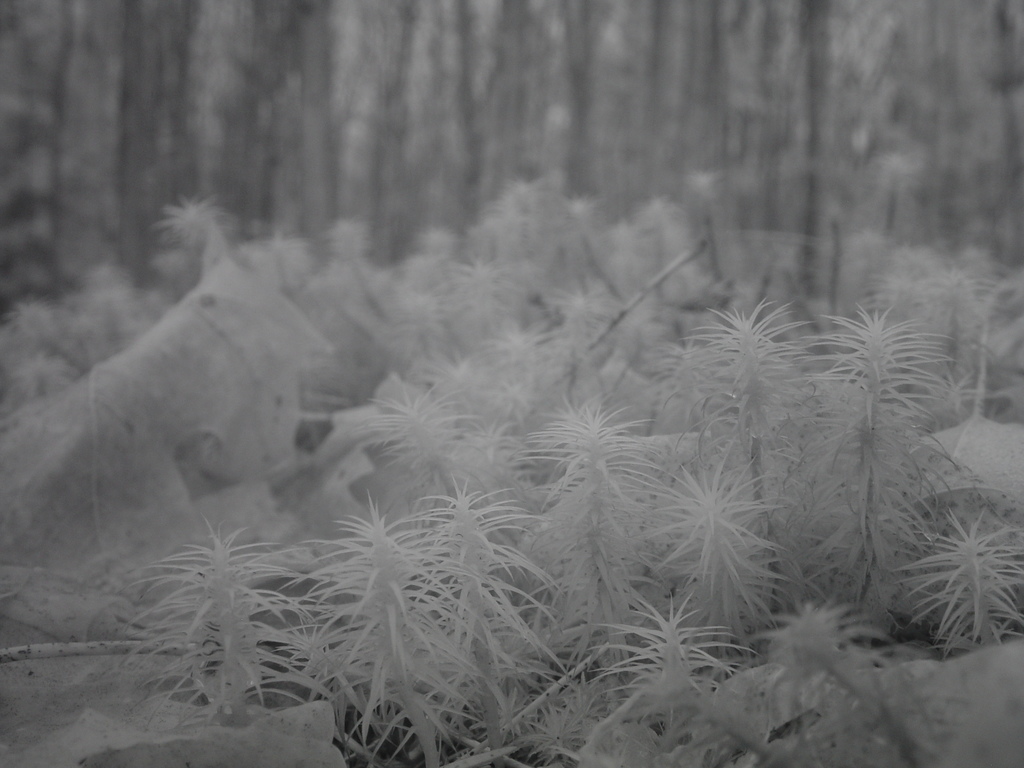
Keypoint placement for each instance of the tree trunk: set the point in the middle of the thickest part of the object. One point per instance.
(710, 84)
(137, 139)
(58, 99)
(653, 134)
(469, 116)
(1009, 244)
(944, 176)
(156, 159)
(814, 19)
(390, 221)
(578, 18)
(506, 152)
(249, 156)
(319, 153)
(772, 132)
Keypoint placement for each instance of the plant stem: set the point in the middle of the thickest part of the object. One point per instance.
(425, 731)
(490, 756)
(554, 688)
(65, 650)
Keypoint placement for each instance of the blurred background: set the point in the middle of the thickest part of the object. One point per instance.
(793, 121)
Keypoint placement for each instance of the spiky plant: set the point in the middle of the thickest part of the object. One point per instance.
(648, 547)
(439, 307)
(514, 381)
(532, 226)
(954, 303)
(751, 385)
(814, 642)
(646, 243)
(493, 587)
(669, 664)
(231, 642)
(943, 298)
(441, 444)
(656, 645)
(827, 647)
(481, 299)
(417, 322)
(971, 585)
(45, 345)
(867, 446)
(419, 626)
(711, 529)
(563, 724)
(579, 318)
(590, 537)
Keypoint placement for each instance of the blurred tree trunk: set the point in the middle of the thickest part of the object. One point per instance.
(435, 166)
(469, 116)
(578, 17)
(506, 153)
(319, 151)
(138, 132)
(156, 156)
(89, 228)
(772, 111)
(814, 38)
(58, 100)
(653, 132)
(709, 84)
(1009, 75)
(943, 160)
(250, 152)
(389, 200)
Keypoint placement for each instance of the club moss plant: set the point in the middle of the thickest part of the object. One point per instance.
(618, 577)
(231, 642)
(600, 523)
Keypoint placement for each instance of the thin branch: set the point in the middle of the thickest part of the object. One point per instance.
(66, 650)
(491, 755)
(655, 281)
(554, 688)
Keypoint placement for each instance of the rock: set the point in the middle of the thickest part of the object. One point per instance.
(207, 398)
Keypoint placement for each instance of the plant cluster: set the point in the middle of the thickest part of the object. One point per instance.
(614, 571)
(46, 345)
(597, 523)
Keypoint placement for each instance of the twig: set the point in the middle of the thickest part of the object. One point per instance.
(595, 265)
(471, 761)
(655, 281)
(554, 688)
(66, 650)
(500, 753)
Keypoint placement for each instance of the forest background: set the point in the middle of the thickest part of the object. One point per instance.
(786, 124)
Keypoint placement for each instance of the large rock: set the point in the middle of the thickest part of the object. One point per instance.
(207, 398)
